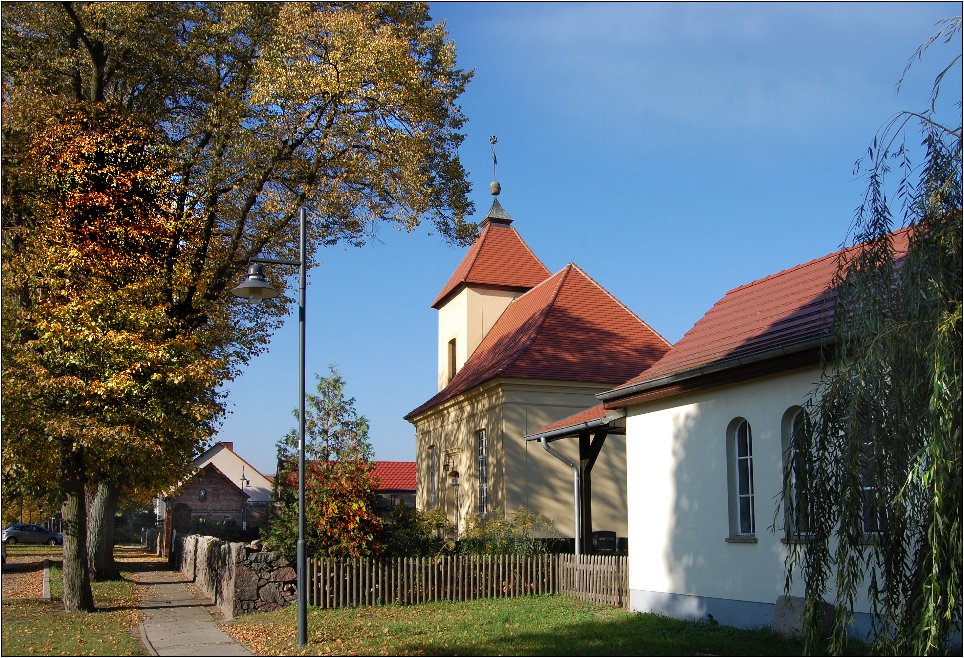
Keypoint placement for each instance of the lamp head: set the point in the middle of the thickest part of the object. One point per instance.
(255, 287)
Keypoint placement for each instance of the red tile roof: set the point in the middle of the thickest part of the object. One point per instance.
(585, 416)
(498, 257)
(395, 476)
(790, 308)
(568, 328)
(593, 417)
(392, 476)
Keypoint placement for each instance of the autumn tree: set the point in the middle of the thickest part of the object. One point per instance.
(346, 108)
(881, 455)
(340, 518)
(97, 381)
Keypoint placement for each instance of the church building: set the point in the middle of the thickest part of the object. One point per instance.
(518, 348)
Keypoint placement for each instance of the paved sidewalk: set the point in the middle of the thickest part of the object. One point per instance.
(176, 623)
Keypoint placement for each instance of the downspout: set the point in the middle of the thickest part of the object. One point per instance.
(575, 487)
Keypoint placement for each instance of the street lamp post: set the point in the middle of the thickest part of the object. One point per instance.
(256, 288)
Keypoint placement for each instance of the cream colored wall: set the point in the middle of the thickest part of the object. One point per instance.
(452, 427)
(678, 494)
(452, 323)
(467, 317)
(233, 467)
(520, 473)
(539, 481)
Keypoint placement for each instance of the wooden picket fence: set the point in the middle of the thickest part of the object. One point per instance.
(596, 578)
(337, 583)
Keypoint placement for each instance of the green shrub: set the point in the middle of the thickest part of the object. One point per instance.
(526, 533)
(407, 532)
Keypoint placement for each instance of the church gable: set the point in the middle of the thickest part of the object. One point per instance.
(568, 328)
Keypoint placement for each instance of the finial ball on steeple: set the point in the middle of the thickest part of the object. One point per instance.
(495, 188)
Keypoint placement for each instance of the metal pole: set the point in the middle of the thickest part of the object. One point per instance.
(575, 494)
(302, 561)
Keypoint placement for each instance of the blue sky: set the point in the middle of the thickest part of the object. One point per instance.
(673, 151)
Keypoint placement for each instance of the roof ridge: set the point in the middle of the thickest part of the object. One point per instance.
(785, 271)
(616, 299)
(529, 249)
(841, 251)
(542, 315)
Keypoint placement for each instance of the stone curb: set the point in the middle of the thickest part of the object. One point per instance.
(45, 588)
(151, 651)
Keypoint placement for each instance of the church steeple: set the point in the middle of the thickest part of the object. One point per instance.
(498, 268)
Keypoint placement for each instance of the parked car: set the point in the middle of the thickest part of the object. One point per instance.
(27, 533)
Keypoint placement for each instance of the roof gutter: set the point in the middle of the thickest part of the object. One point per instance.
(569, 430)
(717, 366)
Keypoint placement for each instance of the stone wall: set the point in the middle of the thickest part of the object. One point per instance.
(239, 578)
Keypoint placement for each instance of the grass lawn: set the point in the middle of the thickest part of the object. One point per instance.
(534, 626)
(39, 627)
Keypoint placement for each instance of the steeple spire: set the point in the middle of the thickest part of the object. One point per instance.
(497, 213)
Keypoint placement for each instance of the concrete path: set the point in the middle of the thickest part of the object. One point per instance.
(176, 623)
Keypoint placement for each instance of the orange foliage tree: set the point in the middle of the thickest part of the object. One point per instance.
(97, 382)
(340, 518)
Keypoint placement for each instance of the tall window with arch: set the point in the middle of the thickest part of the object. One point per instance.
(739, 451)
(797, 470)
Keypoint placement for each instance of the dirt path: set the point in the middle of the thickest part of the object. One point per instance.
(23, 576)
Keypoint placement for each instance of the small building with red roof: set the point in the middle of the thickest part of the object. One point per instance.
(396, 484)
(708, 427)
(224, 490)
(520, 347)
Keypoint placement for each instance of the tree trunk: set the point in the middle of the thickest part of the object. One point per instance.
(78, 596)
(101, 508)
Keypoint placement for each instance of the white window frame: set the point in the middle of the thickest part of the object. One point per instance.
(482, 453)
(740, 482)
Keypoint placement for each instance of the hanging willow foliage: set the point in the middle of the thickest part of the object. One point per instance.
(884, 439)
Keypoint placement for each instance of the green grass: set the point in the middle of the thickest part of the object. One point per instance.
(532, 626)
(39, 627)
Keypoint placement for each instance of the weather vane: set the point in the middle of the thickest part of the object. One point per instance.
(494, 187)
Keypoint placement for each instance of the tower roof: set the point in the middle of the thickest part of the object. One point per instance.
(567, 328)
(498, 258)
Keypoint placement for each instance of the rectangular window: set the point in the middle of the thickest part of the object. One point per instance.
(744, 476)
(432, 476)
(451, 372)
(482, 450)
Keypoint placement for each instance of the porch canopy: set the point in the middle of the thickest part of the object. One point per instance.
(590, 428)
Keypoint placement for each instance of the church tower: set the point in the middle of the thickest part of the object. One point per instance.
(498, 268)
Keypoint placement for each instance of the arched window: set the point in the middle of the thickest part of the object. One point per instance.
(739, 450)
(797, 469)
